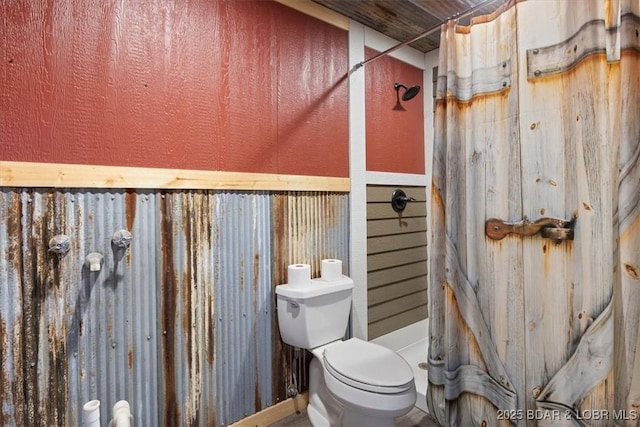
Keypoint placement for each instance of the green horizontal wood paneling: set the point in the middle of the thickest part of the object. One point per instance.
(396, 260)
(398, 305)
(376, 245)
(383, 210)
(396, 274)
(396, 322)
(395, 290)
(385, 227)
(382, 193)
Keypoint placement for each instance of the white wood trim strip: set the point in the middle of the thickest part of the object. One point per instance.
(319, 12)
(392, 178)
(380, 42)
(26, 174)
(358, 174)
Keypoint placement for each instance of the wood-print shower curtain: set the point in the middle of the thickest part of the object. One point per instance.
(537, 116)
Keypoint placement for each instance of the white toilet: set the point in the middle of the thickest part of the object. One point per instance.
(352, 383)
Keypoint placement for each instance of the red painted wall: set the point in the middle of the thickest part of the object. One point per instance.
(395, 137)
(250, 86)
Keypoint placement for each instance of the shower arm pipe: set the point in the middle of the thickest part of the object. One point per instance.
(431, 30)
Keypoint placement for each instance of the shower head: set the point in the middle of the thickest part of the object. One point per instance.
(409, 93)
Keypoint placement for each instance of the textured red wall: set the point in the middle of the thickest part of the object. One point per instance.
(395, 137)
(249, 86)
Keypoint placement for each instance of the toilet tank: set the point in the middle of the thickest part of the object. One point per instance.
(313, 315)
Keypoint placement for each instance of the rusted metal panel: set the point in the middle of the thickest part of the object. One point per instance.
(257, 235)
(243, 304)
(75, 335)
(140, 274)
(315, 228)
(185, 308)
(307, 227)
(181, 324)
(12, 407)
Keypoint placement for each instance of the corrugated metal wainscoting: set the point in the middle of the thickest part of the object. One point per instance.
(396, 260)
(181, 324)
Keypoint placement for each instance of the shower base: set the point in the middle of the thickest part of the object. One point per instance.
(412, 344)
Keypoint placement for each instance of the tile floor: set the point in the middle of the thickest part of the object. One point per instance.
(415, 418)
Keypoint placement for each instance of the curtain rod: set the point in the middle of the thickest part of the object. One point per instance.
(424, 34)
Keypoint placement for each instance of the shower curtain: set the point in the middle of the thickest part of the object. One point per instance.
(535, 217)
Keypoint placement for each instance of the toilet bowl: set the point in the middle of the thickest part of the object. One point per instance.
(352, 383)
(367, 384)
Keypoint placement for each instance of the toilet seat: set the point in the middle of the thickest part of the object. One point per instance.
(368, 367)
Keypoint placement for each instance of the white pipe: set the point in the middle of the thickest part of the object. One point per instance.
(121, 415)
(91, 413)
(93, 261)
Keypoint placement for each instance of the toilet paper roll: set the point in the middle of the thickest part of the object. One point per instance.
(299, 275)
(331, 269)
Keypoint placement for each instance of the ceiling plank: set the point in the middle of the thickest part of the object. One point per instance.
(403, 20)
